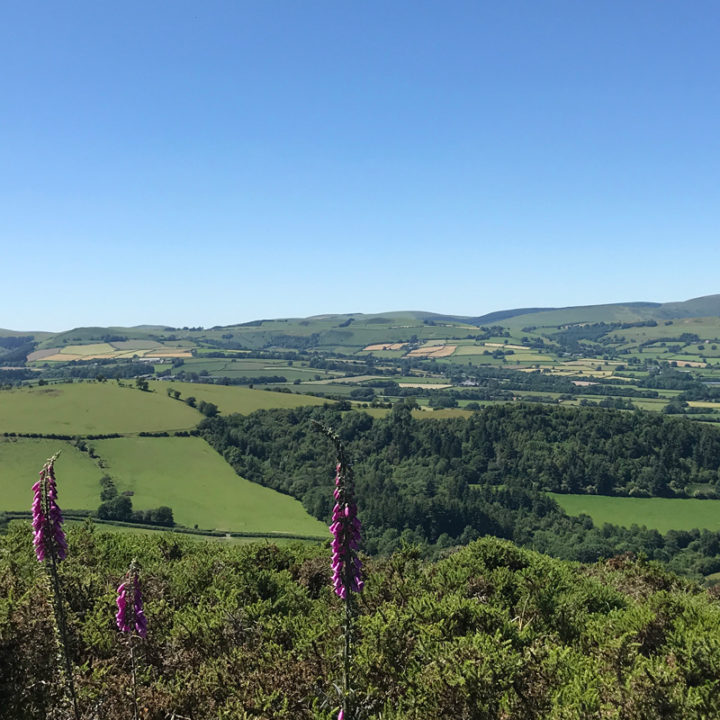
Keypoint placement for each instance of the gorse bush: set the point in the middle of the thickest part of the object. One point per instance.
(487, 632)
(255, 631)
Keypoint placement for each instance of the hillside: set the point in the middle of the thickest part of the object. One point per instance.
(116, 451)
(490, 632)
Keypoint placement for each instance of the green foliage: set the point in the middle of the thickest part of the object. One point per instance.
(421, 481)
(488, 632)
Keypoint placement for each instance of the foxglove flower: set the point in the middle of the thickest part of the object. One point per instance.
(129, 603)
(49, 537)
(345, 529)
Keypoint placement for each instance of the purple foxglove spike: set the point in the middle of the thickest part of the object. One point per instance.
(345, 531)
(47, 518)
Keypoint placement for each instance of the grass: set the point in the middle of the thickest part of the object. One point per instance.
(441, 414)
(88, 350)
(200, 487)
(91, 408)
(21, 459)
(171, 534)
(234, 399)
(661, 514)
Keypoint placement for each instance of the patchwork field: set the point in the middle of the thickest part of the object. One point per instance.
(433, 351)
(91, 408)
(21, 460)
(661, 514)
(124, 349)
(385, 346)
(202, 489)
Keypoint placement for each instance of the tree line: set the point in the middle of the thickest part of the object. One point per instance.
(442, 482)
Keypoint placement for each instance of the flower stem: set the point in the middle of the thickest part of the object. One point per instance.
(134, 679)
(61, 623)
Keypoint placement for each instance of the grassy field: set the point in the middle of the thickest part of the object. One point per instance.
(661, 514)
(101, 527)
(21, 460)
(200, 487)
(91, 408)
(234, 399)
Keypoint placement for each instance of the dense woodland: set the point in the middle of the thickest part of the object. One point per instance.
(441, 482)
(490, 632)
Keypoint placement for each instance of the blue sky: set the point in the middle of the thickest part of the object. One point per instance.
(191, 163)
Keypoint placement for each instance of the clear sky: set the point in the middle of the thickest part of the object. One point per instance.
(205, 163)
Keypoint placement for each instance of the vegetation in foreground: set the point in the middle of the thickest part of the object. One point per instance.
(490, 631)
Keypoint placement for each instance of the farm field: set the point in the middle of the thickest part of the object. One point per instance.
(326, 388)
(423, 414)
(249, 368)
(233, 398)
(660, 514)
(123, 349)
(21, 460)
(89, 408)
(101, 527)
(201, 488)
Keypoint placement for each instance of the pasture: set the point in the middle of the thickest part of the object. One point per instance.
(249, 368)
(201, 488)
(233, 398)
(21, 459)
(91, 408)
(660, 514)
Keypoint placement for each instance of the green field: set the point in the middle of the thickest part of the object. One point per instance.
(234, 399)
(110, 527)
(661, 514)
(200, 487)
(21, 460)
(91, 408)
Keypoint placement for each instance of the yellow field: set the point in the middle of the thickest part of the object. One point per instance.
(386, 346)
(433, 351)
(577, 367)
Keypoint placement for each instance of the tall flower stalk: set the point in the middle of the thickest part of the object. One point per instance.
(130, 618)
(51, 548)
(346, 565)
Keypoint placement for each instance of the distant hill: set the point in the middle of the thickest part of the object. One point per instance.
(706, 306)
(349, 333)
